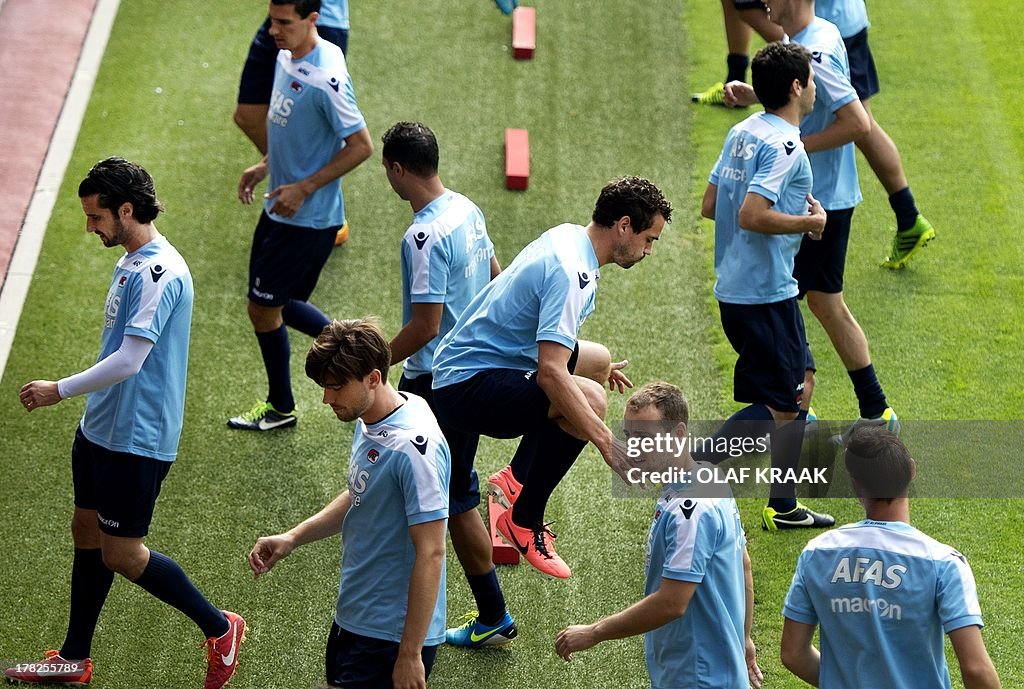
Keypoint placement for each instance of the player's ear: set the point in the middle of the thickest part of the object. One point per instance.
(623, 224)
(680, 430)
(913, 469)
(125, 210)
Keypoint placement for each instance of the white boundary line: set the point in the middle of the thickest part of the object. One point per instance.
(30, 239)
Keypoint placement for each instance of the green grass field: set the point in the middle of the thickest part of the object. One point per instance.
(606, 95)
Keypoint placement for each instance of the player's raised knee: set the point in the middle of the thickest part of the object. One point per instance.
(595, 362)
(595, 394)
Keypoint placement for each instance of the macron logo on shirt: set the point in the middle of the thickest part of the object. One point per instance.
(420, 238)
(156, 272)
(816, 55)
(584, 280)
(790, 147)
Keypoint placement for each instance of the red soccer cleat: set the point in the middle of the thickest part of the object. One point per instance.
(504, 487)
(52, 670)
(222, 653)
(536, 546)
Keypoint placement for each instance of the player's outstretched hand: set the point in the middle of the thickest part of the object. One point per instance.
(250, 178)
(39, 393)
(753, 671)
(818, 215)
(739, 93)
(577, 637)
(267, 551)
(619, 460)
(617, 379)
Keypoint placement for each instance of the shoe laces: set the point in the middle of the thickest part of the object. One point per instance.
(540, 542)
(471, 618)
(258, 411)
(713, 96)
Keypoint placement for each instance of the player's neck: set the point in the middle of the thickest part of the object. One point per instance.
(385, 400)
(789, 112)
(141, 236)
(897, 510)
(425, 192)
(307, 46)
(601, 239)
(801, 19)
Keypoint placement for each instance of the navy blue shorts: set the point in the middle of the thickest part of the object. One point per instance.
(286, 261)
(464, 485)
(121, 487)
(257, 82)
(500, 402)
(362, 662)
(863, 75)
(748, 5)
(820, 265)
(773, 353)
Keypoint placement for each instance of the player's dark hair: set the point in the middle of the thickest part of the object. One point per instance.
(302, 7)
(666, 398)
(348, 350)
(879, 462)
(117, 181)
(413, 146)
(773, 70)
(633, 196)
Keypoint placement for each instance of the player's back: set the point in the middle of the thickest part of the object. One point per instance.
(762, 154)
(884, 594)
(546, 293)
(446, 256)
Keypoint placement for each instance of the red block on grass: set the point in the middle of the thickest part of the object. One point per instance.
(524, 32)
(517, 159)
(501, 552)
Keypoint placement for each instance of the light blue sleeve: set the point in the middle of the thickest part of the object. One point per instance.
(832, 79)
(338, 104)
(423, 480)
(561, 307)
(690, 544)
(769, 173)
(956, 595)
(714, 176)
(798, 606)
(152, 305)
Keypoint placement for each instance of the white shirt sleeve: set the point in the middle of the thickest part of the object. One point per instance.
(122, 364)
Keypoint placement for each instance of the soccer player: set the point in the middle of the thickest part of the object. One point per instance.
(513, 364)
(883, 592)
(257, 82)
(838, 118)
(913, 230)
(128, 438)
(447, 258)
(698, 609)
(759, 195)
(389, 619)
(315, 135)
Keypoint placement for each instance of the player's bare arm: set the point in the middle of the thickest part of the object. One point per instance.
(798, 652)
(668, 603)
(754, 673)
(325, 523)
(851, 123)
(251, 176)
(288, 198)
(423, 327)
(424, 582)
(758, 215)
(976, 667)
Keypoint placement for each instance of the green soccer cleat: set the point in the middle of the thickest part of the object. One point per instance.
(473, 634)
(713, 96)
(907, 242)
(798, 518)
(263, 417)
(888, 419)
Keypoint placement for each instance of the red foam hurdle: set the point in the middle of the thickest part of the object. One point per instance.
(517, 159)
(501, 552)
(524, 32)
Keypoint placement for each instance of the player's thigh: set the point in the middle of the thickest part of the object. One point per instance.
(354, 661)
(286, 260)
(257, 81)
(593, 361)
(820, 265)
(464, 484)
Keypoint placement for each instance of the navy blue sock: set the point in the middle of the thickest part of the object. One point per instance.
(736, 64)
(304, 317)
(903, 206)
(753, 421)
(490, 603)
(560, 452)
(869, 392)
(90, 584)
(522, 460)
(786, 443)
(277, 351)
(167, 581)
